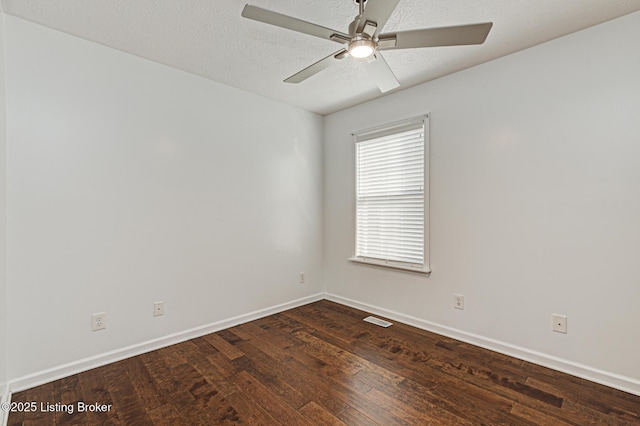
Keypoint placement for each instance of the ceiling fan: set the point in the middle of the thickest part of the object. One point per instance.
(364, 40)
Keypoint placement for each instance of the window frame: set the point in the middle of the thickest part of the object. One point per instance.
(392, 128)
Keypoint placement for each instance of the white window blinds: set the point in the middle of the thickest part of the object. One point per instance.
(391, 188)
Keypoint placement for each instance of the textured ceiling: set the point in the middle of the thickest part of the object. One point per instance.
(210, 38)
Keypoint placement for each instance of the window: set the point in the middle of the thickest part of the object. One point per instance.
(392, 195)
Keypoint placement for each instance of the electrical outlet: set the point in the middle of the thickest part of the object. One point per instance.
(98, 321)
(559, 323)
(158, 309)
(301, 277)
(458, 301)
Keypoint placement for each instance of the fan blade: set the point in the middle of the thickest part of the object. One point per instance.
(382, 74)
(317, 67)
(377, 11)
(284, 21)
(433, 37)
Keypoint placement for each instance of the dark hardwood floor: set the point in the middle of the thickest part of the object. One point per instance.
(321, 364)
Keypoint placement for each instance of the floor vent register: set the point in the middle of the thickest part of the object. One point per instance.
(378, 321)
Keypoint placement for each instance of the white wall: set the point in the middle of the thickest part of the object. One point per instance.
(3, 239)
(535, 200)
(131, 182)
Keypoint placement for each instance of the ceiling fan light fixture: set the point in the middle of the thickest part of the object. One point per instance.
(361, 48)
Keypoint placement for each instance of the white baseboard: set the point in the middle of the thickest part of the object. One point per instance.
(613, 380)
(606, 378)
(55, 373)
(5, 397)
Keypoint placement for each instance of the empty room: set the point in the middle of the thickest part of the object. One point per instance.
(338, 212)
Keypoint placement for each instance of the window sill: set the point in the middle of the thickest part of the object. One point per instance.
(418, 269)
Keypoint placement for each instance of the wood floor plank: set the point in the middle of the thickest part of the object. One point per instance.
(535, 416)
(402, 347)
(403, 340)
(238, 334)
(413, 367)
(577, 414)
(501, 385)
(411, 358)
(126, 401)
(166, 415)
(161, 373)
(396, 407)
(326, 378)
(328, 370)
(353, 417)
(210, 404)
(94, 390)
(303, 358)
(248, 411)
(200, 400)
(287, 387)
(304, 374)
(216, 380)
(590, 395)
(456, 405)
(329, 352)
(269, 401)
(314, 320)
(222, 364)
(275, 359)
(322, 364)
(319, 416)
(150, 395)
(226, 348)
(68, 392)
